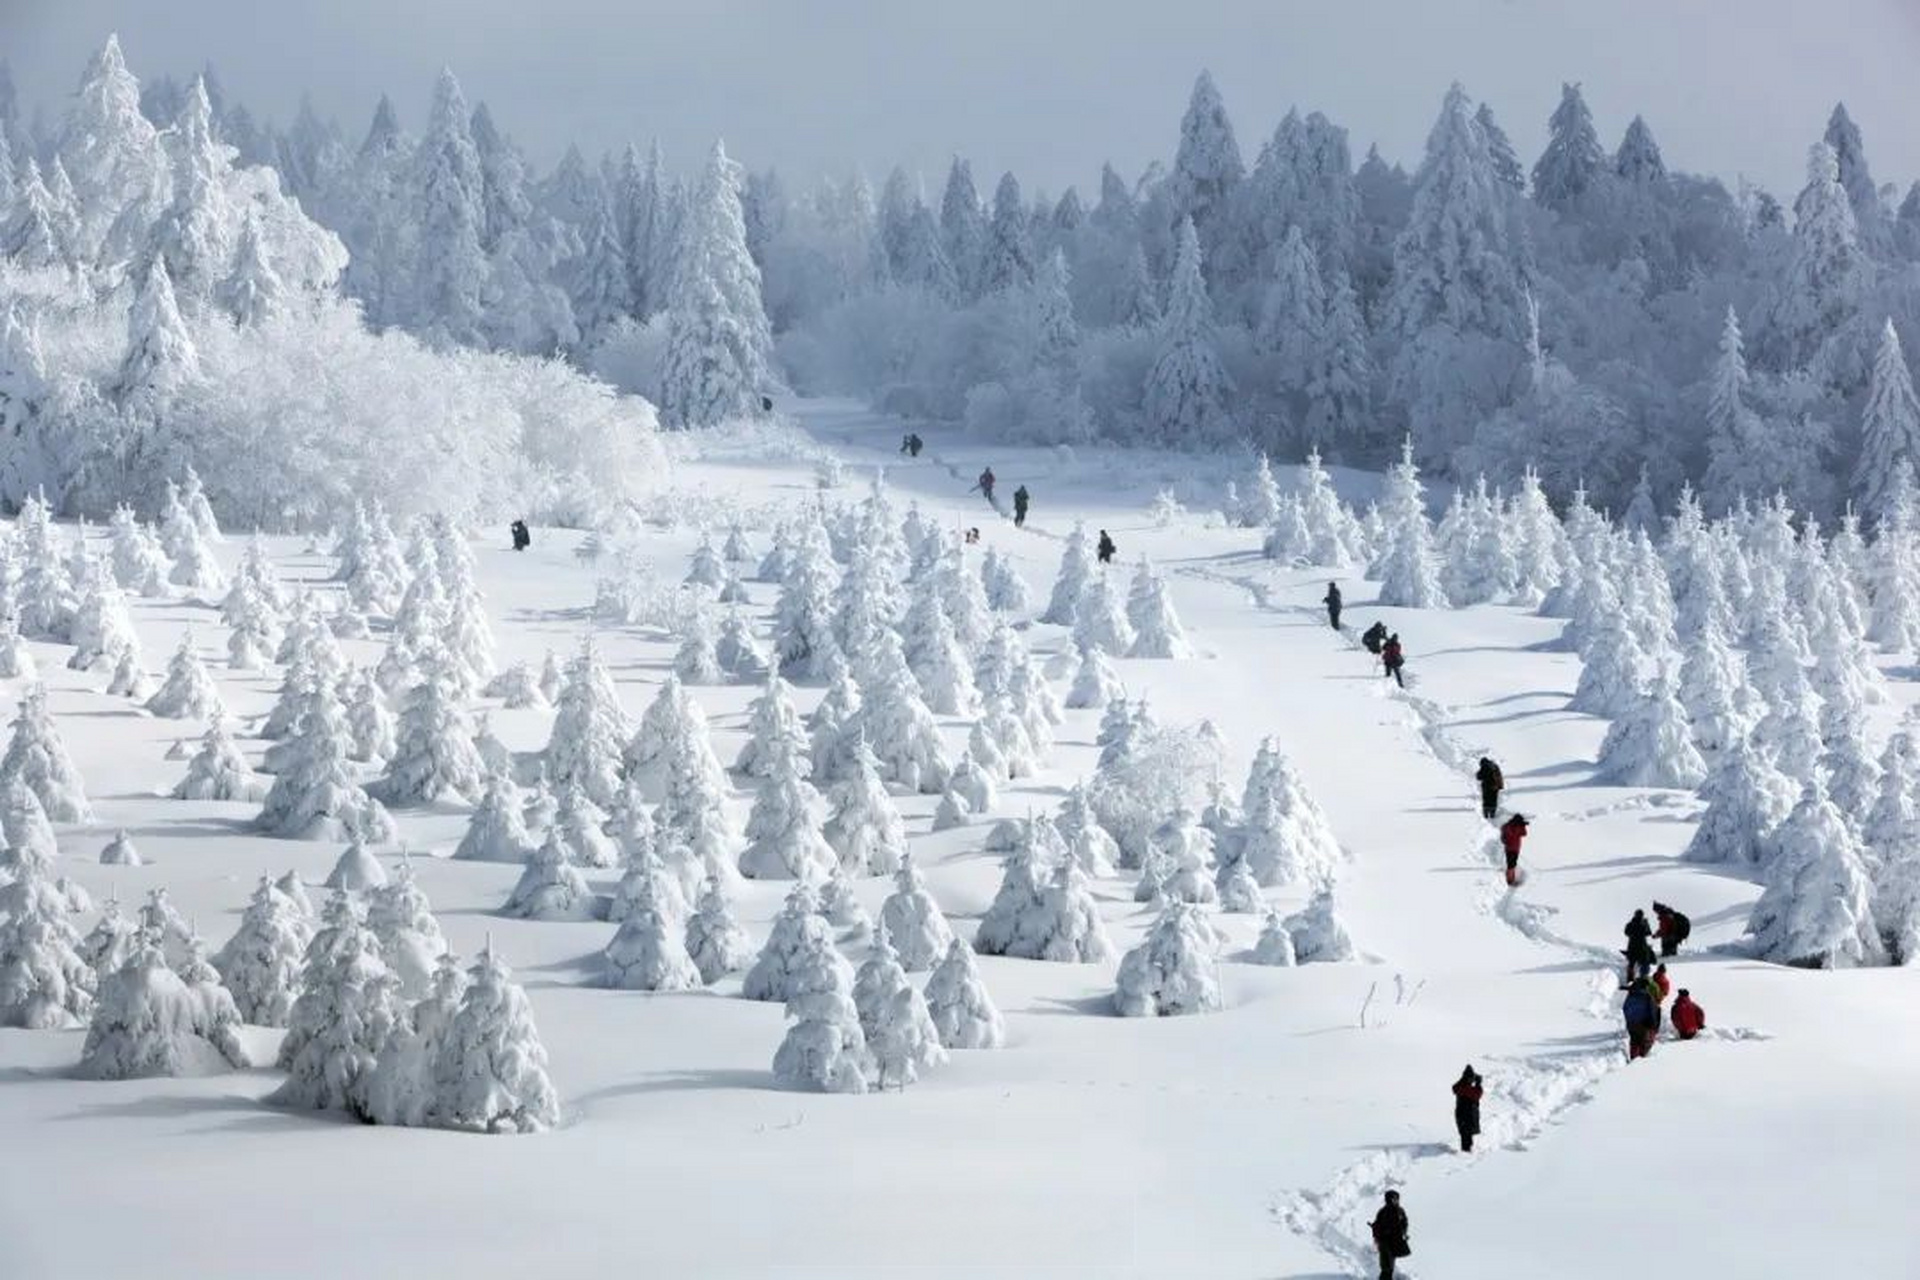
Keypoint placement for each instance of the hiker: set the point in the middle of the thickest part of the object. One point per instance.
(1639, 952)
(1332, 601)
(985, 483)
(1642, 1016)
(906, 443)
(521, 538)
(1662, 984)
(1020, 500)
(1466, 1106)
(1374, 637)
(1390, 1234)
(1492, 783)
(1512, 832)
(973, 534)
(1689, 1019)
(766, 404)
(1105, 548)
(1394, 658)
(1671, 927)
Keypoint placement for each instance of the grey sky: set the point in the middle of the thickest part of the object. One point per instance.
(1047, 89)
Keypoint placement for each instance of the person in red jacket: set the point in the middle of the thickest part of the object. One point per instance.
(1689, 1019)
(1512, 832)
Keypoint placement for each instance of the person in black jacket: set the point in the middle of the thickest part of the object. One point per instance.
(1105, 548)
(521, 538)
(1671, 927)
(1332, 601)
(1492, 783)
(1374, 637)
(1020, 500)
(1390, 1230)
(1467, 1091)
(1639, 950)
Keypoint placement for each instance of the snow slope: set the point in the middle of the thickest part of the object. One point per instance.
(1248, 1143)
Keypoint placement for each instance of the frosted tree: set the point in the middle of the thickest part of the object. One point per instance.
(1188, 389)
(451, 273)
(1171, 972)
(1207, 168)
(715, 941)
(1889, 428)
(102, 631)
(1013, 921)
(718, 356)
(1156, 627)
(1455, 300)
(935, 655)
(1610, 682)
(797, 929)
(468, 638)
(1828, 273)
(433, 756)
(1408, 569)
(962, 1011)
(864, 827)
(1095, 683)
(1087, 843)
(580, 825)
(783, 830)
(218, 771)
(590, 729)
(401, 919)
(1287, 838)
(44, 982)
(1067, 926)
(895, 1019)
(347, 1007)
(38, 757)
(1573, 162)
(775, 735)
(516, 688)
(693, 807)
(1100, 618)
(1076, 567)
(1006, 589)
(833, 727)
(648, 953)
(696, 662)
(160, 361)
(1713, 690)
(109, 944)
(356, 870)
(16, 660)
(370, 725)
(1816, 911)
(317, 796)
(151, 1021)
(551, 887)
(121, 852)
(824, 1050)
(139, 563)
(261, 964)
(899, 728)
(1237, 886)
(497, 831)
(1651, 744)
(1275, 944)
(1319, 935)
(490, 1070)
(401, 1088)
(188, 692)
(912, 920)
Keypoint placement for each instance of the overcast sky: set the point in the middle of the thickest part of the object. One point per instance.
(1047, 89)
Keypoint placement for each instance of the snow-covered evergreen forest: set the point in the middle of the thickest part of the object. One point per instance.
(1570, 314)
(775, 822)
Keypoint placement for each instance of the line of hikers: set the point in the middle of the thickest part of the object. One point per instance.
(1379, 642)
(1021, 499)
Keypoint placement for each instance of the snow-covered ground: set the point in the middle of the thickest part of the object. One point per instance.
(1253, 1142)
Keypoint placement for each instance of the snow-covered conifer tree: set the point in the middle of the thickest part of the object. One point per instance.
(38, 757)
(1005, 589)
(1651, 745)
(783, 831)
(647, 952)
(912, 920)
(151, 1021)
(1076, 567)
(261, 963)
(1156, 627)
(316, 796)
(1171, 972)
(1188, 388)
(44, 982)
(1319, 935)
(1573, 162)
(490, 1070)
(410, 940)
(1100, 619)
(218, 771)
(865, 828)
(1408, 569)
(824, 1050)
(1275, 944)
(775, 735)
(590, 729)
(188, 691)
(715, 941)
(356, 870)
(963, 1013)
(718, 358)
(1889, 427)
(1817, 908)
(433, 754)
(797, 929)
(899, 728)
(551, 888)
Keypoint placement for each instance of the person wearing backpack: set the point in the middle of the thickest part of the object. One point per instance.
(1394, 658)
(1391, 1234)
(1492, 783)
(1639, 952)
(1374, 638)
(1332, 601)
(1688, 1018)
(1671, 927)
(1467, 1091)
(1641, 1013)
(1512, 832)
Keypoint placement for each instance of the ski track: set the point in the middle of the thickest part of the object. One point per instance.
(1528, 1094)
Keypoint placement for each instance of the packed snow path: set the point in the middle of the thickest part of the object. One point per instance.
(1091, 1145)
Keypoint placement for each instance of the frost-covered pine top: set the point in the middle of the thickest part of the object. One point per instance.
(1319, 935)
(797, 928)
(490, 1073)
(150, 1021)
(824, 1050)
(715, 941)
(648, 951)
(865, 828)
(913, 920)
(1651, 744)
(551, 888)
(1817, 907)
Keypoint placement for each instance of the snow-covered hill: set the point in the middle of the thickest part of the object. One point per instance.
(1252, 1142)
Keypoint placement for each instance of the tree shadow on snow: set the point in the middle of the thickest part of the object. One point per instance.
(167, 1107)
(683, 1082)
(1100, 1006)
